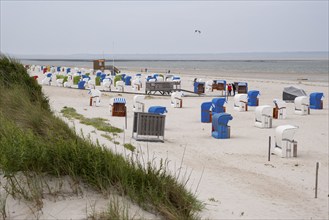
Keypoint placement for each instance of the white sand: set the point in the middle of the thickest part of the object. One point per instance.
(237, 181)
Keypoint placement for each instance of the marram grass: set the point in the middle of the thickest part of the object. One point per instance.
(32, 139)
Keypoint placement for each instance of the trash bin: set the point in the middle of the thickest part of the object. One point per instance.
(128, 80)
(205, 112)
(316, 100)
(157, 110)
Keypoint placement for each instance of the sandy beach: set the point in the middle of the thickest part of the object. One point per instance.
(232, 177)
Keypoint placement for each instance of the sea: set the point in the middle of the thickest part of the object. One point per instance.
(312, 70)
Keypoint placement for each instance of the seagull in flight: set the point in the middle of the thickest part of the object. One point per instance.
(197, 31)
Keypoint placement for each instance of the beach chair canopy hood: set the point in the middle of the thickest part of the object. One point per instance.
(291, 92)
(240, 98)
(316, 100)
(119, 100)
(301, 100)
(263, 110)
(284, 132)
(157, 110)
(280, 103)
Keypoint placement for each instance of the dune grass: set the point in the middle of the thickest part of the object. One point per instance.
(98, 123)
(33, 139)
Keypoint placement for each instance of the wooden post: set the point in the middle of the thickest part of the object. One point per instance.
(269, 148)
(126, 120)
(316, 179)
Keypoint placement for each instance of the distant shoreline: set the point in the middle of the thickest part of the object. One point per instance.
(178, 60)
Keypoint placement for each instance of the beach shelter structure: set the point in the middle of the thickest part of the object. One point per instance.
(176, 99)
(291, 92)
(95, 97)
(138, 103)
(148, 126)
(285, 144)
(81, 84)
(199, 87)
(169, 77)
(99, 64)
(219, 85)
(217, 105)
(47, 80)
(60, 81)
(263, 116)
(241, 102)
(118, 107)
(91, 84)
(316, 100)
(206, 112)
(253, 98)
(302, 105)
(107, 82)
(127, 80)
(176, 78)
(208, 86)
(280, 109)
(159, 79)
(137, 84)
(120, 85)
(219, 124)
(241, 87)
(157, 110)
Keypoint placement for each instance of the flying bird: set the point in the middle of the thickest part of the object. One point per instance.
(197, 31)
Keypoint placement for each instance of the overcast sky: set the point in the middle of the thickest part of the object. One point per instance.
(130, 27)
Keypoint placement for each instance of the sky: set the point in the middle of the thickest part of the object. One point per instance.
(162, 27)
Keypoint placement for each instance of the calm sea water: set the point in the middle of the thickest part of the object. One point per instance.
(312, 70)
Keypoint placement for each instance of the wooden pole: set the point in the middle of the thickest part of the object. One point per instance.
(269, 148)
(126, 121)
(316, 179)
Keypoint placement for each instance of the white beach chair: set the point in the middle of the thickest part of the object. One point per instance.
(59, 82)
(47, 80)
(120, 86)
(263, 116)
(106, 84)
(302, 105)
(67, 84)
(136, 84)
(138, 103)
(176, 99)
(241, 102)
(281, 108)
(284, 141)
(95, 97)
(209, 85)
(91, 84)
(159, 79)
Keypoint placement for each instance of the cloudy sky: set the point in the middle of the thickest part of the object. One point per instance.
(160, 27)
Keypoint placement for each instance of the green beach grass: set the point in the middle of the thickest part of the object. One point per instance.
(34, 140)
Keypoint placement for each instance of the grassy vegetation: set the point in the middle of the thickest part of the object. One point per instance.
(76, 80)
(117, 78)
(34, 140)
(98, 123)
(130, 147)
(65, 78)
(98, 81)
